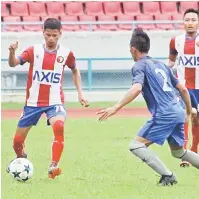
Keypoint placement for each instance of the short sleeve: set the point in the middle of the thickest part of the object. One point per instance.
(138, 73)
(174, 80)
(172, 48)
(70, 62)
(26, 55)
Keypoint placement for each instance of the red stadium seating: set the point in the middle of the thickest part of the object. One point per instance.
(32, 27)
(94, 8)
(13, 28)
(188, 4)
(178, 18)
(126, 18)
(152, 8)
(46, 17)
(164, 26)
(70, 27)
(169, 7)
(145, 17)
(4, 11)
(87, 18)
(131, 8)
(55, 9)
(112, 8)
(107, 26)
(19, 9)
(74, 8)
(37, 9)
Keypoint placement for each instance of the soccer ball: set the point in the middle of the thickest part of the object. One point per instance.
(21, 169)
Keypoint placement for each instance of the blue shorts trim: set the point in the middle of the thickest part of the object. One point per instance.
(31, 115)
(194, 95)
(158, 132)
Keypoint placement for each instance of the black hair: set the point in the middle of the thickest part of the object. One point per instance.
(140, 40)
(52, 23)
(191, 10)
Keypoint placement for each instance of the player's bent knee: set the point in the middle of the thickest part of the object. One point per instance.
(58, 127)
(178, 153)
(136, 145)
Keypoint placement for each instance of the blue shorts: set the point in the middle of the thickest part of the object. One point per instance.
(194, 95)
(157, 132)
(31, 115)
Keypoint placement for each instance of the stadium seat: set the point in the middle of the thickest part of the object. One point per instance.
(178, 17)
(94, 8)
(112, 8)
(164, 26)
(87, 18)
(131, 8)
(19, 9)
(55, 9)
(32, 27)
(184, 5)
(70, 27)
(169, 7)
(107, 26)
(4, 10)
(74, 8)
(37, 9)
(13, 28)
(126, 18)
(46, 17)
(151, 8)
(145, 17)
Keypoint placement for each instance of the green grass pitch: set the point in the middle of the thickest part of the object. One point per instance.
(96, 164)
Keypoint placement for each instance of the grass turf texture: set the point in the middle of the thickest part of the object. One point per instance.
(96, 164)
(9, 106)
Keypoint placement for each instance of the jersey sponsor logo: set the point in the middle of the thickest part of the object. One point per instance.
(60, 59)
(189, 60)
(47, 77)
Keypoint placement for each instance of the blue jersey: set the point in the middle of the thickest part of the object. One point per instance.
(158, 89)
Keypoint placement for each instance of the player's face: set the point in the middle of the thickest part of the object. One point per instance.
(191, 22)
(51, 37)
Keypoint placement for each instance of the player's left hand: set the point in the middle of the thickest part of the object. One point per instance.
(83, 101)
(106, 113)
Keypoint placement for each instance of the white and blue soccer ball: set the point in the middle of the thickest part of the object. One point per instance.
(21, 169)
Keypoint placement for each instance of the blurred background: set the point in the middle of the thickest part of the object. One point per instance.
(97, 32)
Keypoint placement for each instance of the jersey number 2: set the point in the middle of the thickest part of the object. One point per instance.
(165, 84)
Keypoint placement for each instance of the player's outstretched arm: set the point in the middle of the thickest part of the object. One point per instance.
(186, 97)
(132, 93)
(13, 60)
(77, 81)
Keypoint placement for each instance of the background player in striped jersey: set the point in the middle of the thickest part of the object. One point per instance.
(186, 48)
(44, 92)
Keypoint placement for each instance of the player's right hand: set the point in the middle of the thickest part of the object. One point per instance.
(13, 47)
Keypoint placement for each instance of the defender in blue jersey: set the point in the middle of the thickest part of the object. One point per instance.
(157, 84)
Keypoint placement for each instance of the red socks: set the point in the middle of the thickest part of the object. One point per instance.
(186, 135)
(58, 143)
(18, 145)
(195, 138)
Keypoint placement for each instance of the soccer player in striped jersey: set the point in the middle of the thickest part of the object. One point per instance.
(44, 92)
(186, 48)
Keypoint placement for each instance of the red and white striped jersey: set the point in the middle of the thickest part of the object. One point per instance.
(187, 50)
(44, 83)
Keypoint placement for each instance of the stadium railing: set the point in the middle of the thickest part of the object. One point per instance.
(90, 23)
(108, 74)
